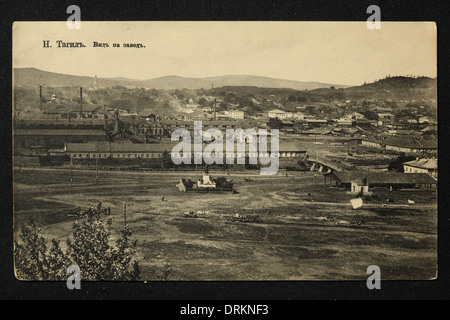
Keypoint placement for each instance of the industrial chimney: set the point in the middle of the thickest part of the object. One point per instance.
(81, 102)
(215, 103)
(40, 97)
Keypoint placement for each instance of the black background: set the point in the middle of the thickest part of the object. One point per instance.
(251, 292)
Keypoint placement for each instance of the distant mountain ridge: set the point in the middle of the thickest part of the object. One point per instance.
(34, 77)
(399, 87)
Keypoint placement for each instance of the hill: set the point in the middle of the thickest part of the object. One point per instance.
(257, 99)
(35, 77)
(396, 88)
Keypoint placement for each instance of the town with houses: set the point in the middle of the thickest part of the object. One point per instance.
(377, 143)
(77, 127)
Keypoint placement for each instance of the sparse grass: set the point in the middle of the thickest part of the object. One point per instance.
(296, 238)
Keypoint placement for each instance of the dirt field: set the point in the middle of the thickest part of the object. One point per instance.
(299, 237)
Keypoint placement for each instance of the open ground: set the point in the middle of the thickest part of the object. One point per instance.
(307, 231)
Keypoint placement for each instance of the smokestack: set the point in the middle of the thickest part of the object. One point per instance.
(40, 97)
(215, 102)
(81, 102)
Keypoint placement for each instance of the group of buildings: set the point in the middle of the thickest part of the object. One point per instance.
(362, 182)
(403, 143)
(127, 150)
(88, 139)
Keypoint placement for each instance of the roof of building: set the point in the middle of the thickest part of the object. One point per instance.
(383, 177)
(316, 120)
(149, 123)
(141, 147)
(372, 139)
(322, 130)
(423, 163)
(59, 122)
(98, 146)
(59, 132)
(409, 142)
(401, 132)
(385, 114)
(429, 128)
(344, 120)
(106, 147)
(204, 123)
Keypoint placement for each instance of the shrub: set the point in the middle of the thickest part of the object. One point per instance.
(90, 250)
(34, 260)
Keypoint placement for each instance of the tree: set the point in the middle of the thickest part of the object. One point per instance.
(370, 115)
(145, 102)
(97, 259)
(122, 104)
(275, 123)
(397, 165)
(223, 106)
(311, 110)
(167, 162)
(293, 97)
(90, 250)
(34, 260)
(202, 102)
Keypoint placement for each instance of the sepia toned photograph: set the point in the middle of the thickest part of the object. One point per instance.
(225, 151)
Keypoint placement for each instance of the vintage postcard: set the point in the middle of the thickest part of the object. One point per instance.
(224, 151)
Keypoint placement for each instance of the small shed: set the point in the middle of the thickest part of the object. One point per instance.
(369, 179)
(360, 185)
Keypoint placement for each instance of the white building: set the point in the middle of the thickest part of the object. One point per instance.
(235, 114)
(389, 116)
(427, 120)
(371, 143)
(355, 115)
(429, 166)
(344, 121)
(280, 114)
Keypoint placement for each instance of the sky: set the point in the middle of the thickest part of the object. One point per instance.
(332, 52)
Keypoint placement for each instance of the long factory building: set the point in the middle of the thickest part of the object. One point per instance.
(106, 149)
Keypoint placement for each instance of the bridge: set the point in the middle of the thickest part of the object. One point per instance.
(324, 164)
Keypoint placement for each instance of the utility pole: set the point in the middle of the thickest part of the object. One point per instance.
(315, 147)
(71, 172)
(96, 170)
(81, 102)
(40, 97)
(125, 213)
